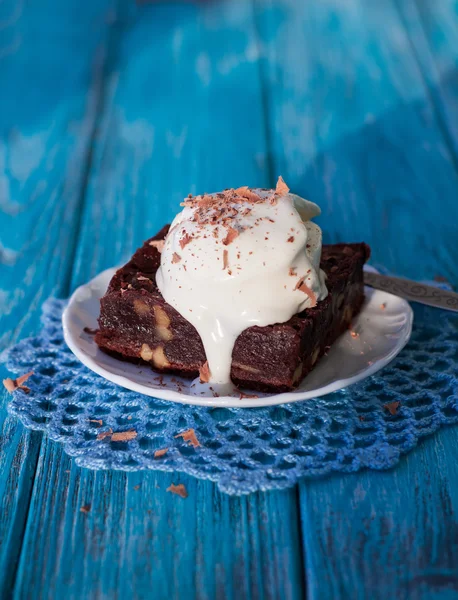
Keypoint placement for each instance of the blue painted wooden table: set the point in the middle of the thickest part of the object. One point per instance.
(110, 113)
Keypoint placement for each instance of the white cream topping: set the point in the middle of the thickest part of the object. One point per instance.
(267, 273)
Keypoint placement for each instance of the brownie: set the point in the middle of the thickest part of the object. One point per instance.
(136, 324)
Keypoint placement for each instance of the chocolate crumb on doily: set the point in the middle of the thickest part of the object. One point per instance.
(392, 407)
(124, 436)
(160, 452)
(105, 434)
(17, 384)
(189, 436)
(85, 509)
(179, 490)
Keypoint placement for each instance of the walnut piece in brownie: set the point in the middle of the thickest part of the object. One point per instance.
(137, 325)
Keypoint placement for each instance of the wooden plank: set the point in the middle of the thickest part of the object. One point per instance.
(432, 28)
(46, 123)
(190, 121)
(353, 126)
(386, 535)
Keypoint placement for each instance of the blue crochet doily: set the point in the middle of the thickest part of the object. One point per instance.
(243, 450)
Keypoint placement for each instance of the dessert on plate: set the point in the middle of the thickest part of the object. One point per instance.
(238, 290)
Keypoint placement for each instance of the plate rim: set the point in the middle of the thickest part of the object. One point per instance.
(226, 401)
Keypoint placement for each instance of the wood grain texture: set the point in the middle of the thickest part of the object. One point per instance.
(352, 125)
(153, 146)
(366, 137)
(44, 145)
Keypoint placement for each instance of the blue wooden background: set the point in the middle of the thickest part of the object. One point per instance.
(110, 113)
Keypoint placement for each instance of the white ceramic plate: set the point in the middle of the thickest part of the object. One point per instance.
(382, 335)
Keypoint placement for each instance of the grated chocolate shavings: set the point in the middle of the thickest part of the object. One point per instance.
(176, 258)
(185, 240)
(189, 436)
(161, 452)
(281, 188)
(158, 244)
(225, 259)
(179, 490)
(204, 373)
(290, 240)
(231, 235)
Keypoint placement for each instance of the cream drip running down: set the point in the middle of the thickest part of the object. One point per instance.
(240, 258)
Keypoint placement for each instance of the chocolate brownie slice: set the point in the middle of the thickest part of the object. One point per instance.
(136, 324)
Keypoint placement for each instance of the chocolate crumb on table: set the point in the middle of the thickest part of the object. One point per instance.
(85, 509)
(17, 384)
(179, 490)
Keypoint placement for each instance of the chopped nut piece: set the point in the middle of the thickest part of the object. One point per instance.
(141, 308)
(163, 323)
(162, 318)
(179, 490)
(189, 436)
(204, 373)
(161, 452)
(146, 353)
(159, 358)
